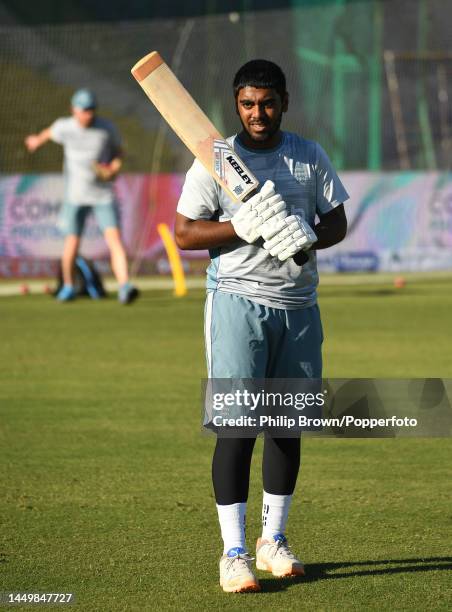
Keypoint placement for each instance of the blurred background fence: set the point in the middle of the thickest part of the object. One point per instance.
(370, 80)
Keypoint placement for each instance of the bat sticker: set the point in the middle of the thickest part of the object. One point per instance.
(230, 169)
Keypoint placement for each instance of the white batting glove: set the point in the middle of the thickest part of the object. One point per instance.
(247, 220)
(274, 224)
(267, 190)
(271, 212)
(295, 235)
(270, 207)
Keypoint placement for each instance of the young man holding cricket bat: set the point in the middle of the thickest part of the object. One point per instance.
(262, 319)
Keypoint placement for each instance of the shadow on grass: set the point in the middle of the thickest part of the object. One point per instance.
(327, 571)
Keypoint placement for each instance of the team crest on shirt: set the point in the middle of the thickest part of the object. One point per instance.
(300, 172)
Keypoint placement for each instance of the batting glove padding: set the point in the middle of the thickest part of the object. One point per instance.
(252, 214)
(275, 224)
(295, 235)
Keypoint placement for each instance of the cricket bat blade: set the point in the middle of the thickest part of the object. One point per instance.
(193, 127)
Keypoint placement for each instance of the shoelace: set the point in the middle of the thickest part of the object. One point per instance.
(240, 559)
(281, 548)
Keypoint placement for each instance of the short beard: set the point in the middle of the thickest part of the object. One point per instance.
(267, 135)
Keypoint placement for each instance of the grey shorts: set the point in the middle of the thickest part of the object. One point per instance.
(73, 218)
(248, 340)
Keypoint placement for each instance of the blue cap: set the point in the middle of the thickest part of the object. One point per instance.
(84, 99)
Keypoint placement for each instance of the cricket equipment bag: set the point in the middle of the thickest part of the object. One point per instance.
(87, 280)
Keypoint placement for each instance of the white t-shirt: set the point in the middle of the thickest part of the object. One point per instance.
(309, 185)
(99, 142)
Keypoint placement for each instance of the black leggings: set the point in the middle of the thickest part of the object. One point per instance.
(231, 467)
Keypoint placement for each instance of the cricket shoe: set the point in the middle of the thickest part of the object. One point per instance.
(236, 575)
(66, 293)
(127, 293)
(276, 557)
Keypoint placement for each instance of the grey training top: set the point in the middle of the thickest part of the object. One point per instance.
(307, 181)
(100, 142)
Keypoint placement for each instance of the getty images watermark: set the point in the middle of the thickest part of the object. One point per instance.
(328, 407)
(249, 401)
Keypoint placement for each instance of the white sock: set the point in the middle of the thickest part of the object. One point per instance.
(232, 523)
(275, 510)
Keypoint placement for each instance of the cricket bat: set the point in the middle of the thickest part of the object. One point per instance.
(194, 128)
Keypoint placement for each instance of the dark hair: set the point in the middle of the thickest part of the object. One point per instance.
(262, 74)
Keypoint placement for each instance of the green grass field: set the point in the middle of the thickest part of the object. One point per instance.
(105, 475)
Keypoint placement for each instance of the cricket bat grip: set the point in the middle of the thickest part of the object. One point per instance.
(301, 258)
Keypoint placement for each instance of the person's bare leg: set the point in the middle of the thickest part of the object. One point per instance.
(70, 249)
(127, 293)
(117, 254)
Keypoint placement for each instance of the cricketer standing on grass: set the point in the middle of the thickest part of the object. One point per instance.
(261, 316)
(92, 159)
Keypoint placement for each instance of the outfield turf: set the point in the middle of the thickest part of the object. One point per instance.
(105, 476)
